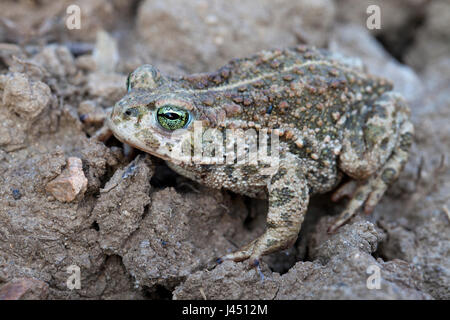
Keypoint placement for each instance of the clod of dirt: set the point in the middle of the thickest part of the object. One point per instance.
(180, 234)
(70, 183)
(8, 52)
(360, 234)
(133, 239)
(345, 268)
(341, 270)
(57, 60)
(229, 280)
(105, 54)
(347, 276)
(122, 204)
(23, 100)
(24, 289)
(25, 97)
(110, 86)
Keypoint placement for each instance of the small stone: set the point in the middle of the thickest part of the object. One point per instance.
(16, 194)
(24, 289)
(70, 182)
(26, 97)
(106, 53)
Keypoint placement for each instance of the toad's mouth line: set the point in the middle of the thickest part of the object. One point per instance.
(133, 144)
(142, 148)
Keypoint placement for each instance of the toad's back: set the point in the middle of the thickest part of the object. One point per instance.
(302, 88)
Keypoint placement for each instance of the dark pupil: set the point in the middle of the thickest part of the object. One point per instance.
(171, 115)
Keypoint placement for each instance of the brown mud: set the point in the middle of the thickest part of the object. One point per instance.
(136, 229)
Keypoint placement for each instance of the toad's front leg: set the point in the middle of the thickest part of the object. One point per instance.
(98, 116)
(288, 201)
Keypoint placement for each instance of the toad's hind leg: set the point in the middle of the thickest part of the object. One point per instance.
(288, 200)
(387, 135)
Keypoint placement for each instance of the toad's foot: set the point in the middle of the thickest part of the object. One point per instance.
(102, 134)
(274, 239)
(288, 201)
(345, 190)
(96, 116)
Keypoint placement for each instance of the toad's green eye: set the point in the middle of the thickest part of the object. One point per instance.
(172, 117)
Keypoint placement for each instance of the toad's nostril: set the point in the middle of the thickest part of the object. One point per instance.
(131, 112)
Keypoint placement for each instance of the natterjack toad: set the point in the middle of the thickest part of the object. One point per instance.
(329, 117)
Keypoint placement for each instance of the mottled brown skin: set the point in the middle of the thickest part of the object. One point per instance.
(331, 119)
